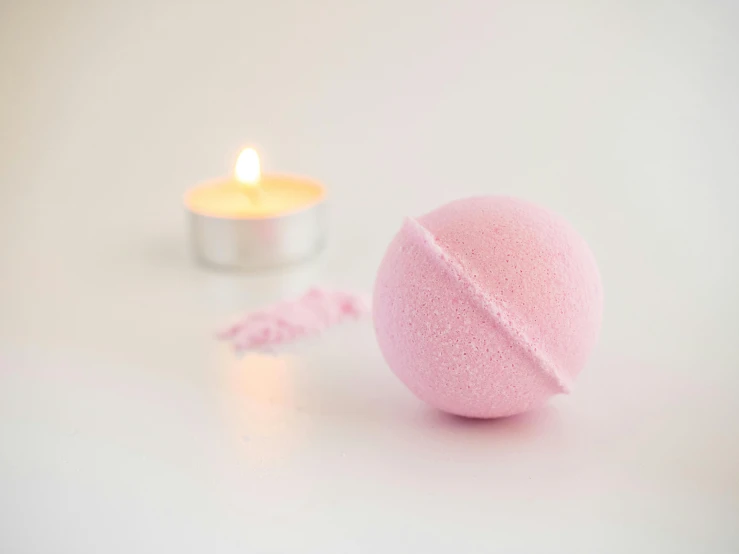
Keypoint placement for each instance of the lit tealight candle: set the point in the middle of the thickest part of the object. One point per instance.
(253, 220)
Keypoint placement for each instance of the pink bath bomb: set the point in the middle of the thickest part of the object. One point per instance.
(486, 307)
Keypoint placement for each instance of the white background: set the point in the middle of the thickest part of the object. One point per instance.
(124, 427)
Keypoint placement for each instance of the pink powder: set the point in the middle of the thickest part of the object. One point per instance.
(288, 321)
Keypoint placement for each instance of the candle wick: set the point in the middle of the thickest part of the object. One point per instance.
(252, 192)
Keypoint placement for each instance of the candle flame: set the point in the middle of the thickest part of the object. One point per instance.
(247, 170)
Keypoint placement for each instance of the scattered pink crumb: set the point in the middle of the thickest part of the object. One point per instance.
(291, 320)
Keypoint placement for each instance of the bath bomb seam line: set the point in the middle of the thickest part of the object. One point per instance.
(490, 306)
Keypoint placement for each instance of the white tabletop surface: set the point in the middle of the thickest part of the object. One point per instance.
(125, 427)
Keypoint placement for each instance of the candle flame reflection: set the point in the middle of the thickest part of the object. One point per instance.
(262, 408)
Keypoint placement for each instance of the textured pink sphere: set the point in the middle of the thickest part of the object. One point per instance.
(487, 306)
